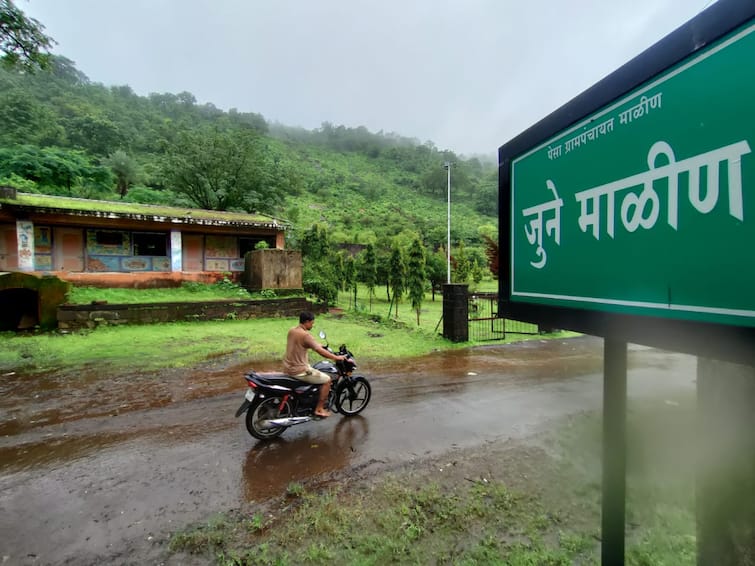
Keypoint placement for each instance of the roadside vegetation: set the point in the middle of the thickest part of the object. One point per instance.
(225, 289)
(522, 503)
(370, 334)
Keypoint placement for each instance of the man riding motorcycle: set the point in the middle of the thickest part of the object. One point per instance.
(296, 360)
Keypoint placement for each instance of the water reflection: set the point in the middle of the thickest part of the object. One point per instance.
(271, 466)
(55, 452)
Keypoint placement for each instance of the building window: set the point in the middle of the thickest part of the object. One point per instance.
(108, 238)
(151, 244)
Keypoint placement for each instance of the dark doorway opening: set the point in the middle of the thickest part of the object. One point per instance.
(19, 309)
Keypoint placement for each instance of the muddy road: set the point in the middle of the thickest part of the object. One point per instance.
(96, 470)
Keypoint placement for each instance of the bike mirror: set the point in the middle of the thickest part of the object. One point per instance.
(322, 335)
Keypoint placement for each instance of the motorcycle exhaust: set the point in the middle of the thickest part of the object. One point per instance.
(286, 421)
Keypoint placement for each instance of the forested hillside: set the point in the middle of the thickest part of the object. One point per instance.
(64, 134)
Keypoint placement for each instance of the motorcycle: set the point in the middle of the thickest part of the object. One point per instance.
(275, 401)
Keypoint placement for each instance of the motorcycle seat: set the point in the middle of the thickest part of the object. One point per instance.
(277, 378)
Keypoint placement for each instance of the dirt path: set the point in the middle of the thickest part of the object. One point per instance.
(97, 471)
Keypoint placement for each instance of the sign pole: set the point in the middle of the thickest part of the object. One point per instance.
(447, 165)
(614, 451)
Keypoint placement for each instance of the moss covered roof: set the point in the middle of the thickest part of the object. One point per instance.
(147, 212)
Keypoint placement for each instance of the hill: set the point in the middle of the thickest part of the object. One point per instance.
(64, 134)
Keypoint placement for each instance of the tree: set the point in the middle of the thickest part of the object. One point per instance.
(26, 121)
(436, 265)
(415, 280)
(22, 40)
(491, 251)
(124, 168)
(319, 273)
(315, 244)
(220, 170)
(462, 265)
(93, 132)
(55, 167)
(368, 271)
(397, 275)
(350, 277)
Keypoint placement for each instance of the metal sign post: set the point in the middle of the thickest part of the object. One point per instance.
(614, 451)
(629, 213)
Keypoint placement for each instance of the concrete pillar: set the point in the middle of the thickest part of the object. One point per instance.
(456, 312)
(726, 467)
(176, 251)
(25, 240)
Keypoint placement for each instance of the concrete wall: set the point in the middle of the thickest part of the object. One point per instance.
(76, 317)
(273, 269)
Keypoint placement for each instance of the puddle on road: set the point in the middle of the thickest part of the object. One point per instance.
(271, 467)
(54, 451)
(30, 401)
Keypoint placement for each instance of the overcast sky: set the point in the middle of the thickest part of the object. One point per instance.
(467, 75)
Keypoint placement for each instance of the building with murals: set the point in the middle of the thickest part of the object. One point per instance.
(88, 241)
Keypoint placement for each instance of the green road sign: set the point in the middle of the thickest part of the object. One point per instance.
(647, 206)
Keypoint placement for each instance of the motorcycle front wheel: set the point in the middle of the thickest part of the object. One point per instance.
(352, 396)
(262, 410)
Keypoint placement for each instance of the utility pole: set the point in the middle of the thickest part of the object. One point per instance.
(447, 165)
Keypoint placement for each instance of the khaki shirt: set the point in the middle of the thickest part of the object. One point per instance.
(296, 361)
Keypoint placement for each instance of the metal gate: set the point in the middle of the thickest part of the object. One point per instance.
(484, 323)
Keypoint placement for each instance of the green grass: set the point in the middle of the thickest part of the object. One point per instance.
(369, 334)
(188, 292)
(181, 344)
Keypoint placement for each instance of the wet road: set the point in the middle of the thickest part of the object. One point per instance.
(91, 470)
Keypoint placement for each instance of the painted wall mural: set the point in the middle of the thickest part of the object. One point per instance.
(42, 248)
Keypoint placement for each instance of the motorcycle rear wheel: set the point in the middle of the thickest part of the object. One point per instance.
(352, 399)
(263, 409)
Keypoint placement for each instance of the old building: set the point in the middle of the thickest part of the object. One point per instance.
(126, 244)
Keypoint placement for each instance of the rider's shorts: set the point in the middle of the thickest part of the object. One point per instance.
(313, 376)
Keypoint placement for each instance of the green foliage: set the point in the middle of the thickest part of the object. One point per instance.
(437, 268)
(319, 279)
(70, 170)
(358, 186)
(397, 274)
(125, 170)
(219, 170)
(27, 121)
(462, 265)
(321, 275)
(416, 275)
(145, 195)
(212, 535)
(22, 40)
(368, 270)
(24, 185)
(315, 244)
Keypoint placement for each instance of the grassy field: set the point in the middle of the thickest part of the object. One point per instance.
(371, 333)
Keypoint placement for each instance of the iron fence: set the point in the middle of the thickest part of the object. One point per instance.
(484, 323)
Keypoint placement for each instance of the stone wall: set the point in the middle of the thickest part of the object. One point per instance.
(273, 269)
(76, 317)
